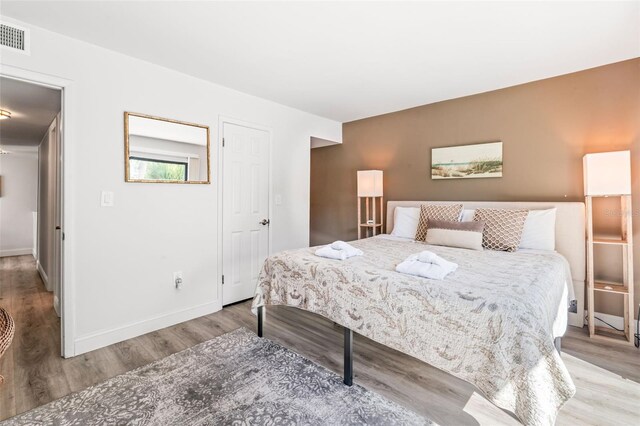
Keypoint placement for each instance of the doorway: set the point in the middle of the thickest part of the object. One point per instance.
(246, 208)
(31, 207)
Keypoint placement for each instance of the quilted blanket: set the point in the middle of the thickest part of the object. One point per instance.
(489, 323)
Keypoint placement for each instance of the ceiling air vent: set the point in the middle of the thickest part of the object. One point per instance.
(14, 37)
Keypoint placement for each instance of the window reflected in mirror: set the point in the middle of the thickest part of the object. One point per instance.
(165, 151)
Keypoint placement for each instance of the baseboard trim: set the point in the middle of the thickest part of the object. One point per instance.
(56, 305)
(575, 320)
(43, 275)
(105, 338)
(16, 252)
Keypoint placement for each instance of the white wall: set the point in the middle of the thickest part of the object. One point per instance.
(122, 258)
(18, 199)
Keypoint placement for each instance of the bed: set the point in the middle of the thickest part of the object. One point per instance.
(495, 322)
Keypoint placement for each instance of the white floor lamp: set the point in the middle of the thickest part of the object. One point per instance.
(370, 190)
(608, 174)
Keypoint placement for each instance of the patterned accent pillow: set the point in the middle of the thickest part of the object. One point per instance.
(448, 212)
(502, 228)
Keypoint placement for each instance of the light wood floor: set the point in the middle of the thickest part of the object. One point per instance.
(607, 377)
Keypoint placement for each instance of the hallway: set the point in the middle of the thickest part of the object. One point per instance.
(37, 337)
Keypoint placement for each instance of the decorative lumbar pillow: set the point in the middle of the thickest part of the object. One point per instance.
(466, 235)
(539, 232)
(449, 212)
(405, 221)
(502, 228)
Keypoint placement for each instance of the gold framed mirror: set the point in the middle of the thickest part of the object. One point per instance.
(162, 150)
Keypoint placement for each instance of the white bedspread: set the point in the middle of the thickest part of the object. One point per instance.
(491, 322)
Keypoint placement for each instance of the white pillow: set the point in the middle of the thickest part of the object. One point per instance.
(467, 215)
(405, 222)
(539, 232)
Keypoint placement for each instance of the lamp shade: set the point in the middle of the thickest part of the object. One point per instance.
(607, 173)
(369, 183)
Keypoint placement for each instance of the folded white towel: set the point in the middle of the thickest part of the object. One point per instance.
(341, 245)
(427, 256)
(338, 250)
(427, 265)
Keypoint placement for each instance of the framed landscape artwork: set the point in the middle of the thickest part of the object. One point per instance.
(482, 160)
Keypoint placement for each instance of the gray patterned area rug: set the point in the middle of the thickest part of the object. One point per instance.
(237, 378)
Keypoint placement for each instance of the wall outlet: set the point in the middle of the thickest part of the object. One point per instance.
(177, 280)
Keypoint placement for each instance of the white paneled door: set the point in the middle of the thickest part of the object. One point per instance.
(245, 207)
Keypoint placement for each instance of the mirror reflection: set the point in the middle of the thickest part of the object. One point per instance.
(164, 150)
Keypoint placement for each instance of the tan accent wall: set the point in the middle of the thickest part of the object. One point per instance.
(546, 128)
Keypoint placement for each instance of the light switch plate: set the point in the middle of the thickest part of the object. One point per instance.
(106, 199)
(278, 200)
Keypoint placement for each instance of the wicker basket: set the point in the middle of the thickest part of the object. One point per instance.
(7, 328)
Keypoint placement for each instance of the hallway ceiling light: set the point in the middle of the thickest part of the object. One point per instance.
(4, 114)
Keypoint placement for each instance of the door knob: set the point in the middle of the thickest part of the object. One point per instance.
(265, 222)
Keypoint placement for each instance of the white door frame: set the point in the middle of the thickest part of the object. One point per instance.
(66, 278)
(221, 122)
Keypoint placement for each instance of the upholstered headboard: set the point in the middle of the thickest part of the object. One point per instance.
(570, 234)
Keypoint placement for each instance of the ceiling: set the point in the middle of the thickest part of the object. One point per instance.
(350, 60)
(32, 107)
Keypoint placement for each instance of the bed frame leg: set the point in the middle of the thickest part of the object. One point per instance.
(348, 356)
(260, 319)
(558, 344)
